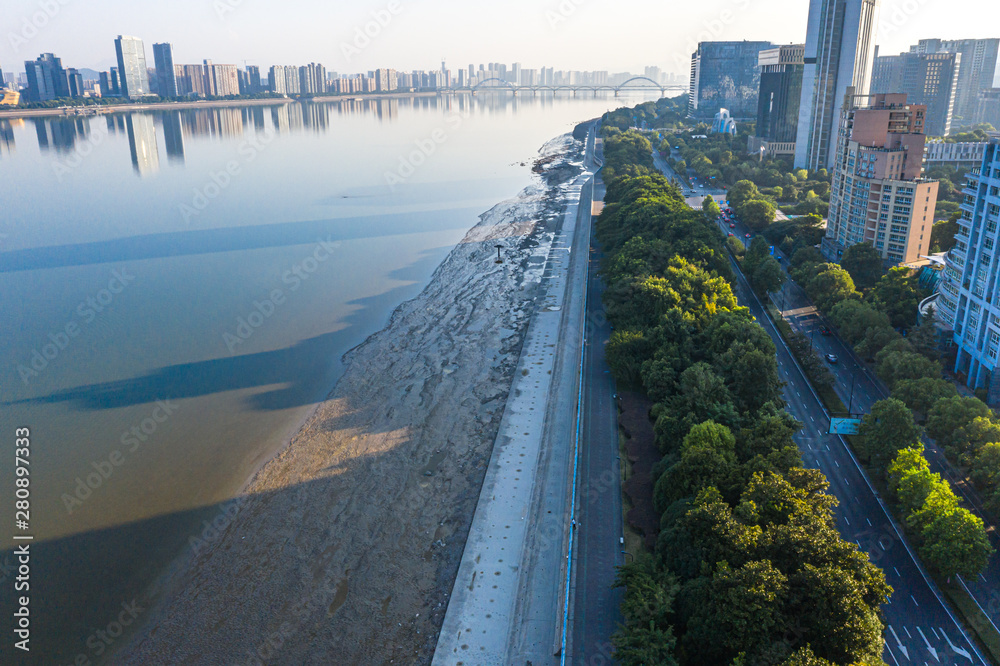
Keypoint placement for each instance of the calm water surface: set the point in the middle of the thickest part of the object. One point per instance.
(177, 289)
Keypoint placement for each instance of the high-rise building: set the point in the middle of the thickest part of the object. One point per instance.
(926, 78)
(47, 79)
(312, 79)
(978, 65)
(293, 84)
(3, 81)
(385, 80)
(968, 300)
(778, 101)
(879, 195)
(988, 110)
(840, 52)
(190, 80)
(166, 79)
(725, 75)
(132, 66)
(75, 81)
(276, 80)
(253, 80)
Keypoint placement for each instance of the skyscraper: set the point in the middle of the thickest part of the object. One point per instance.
(840, 51)
(132, 66)
(725, 75)
(75, 81)
(778, 101)
(926, 78)
(47, 79)
(166, 79)
(253, 79)
(276, 80)
(142, 143)
(978, 65)
(878, 195)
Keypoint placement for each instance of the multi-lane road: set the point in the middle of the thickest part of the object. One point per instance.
(921, 627)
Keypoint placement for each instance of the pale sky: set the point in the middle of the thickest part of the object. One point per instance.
(613, 35)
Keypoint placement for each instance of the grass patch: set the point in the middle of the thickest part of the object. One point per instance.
(634, 542)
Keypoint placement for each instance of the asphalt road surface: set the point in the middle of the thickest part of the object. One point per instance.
(596, 612)
(921, 627)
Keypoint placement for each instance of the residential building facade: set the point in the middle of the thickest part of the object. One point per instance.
(839, 53)
(778, 102)
(969, 289)
(132, 74)
(878, 195)
(725, 75)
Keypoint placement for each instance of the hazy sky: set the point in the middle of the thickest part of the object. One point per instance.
(614, 35)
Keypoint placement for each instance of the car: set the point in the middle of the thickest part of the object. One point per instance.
(701, 186)
(831, 358)
(748, 235)
(825, 332)
(730, 233)
(732, 226)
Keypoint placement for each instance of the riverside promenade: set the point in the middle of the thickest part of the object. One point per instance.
(508, 602)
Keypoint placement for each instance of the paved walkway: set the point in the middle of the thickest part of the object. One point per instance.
(507, 603)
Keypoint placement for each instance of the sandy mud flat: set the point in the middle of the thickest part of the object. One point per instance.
(344, 547)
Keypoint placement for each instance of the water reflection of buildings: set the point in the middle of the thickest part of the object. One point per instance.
(142, 143)
(7, 146)
(173, 136)
(60, 134)
(224, 123)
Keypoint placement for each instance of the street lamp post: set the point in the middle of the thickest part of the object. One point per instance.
(854, 379)
(625, 552)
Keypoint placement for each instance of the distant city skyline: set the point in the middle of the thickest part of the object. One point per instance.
(561, 34)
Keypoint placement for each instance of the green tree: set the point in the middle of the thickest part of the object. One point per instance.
(741, 192)
(767, 277)
(710, 209)
(948, 419)
(864, 263)
(893, 365)
(955, 542)
(625, 353)
(898, 293)
(646, 637)
(887, 429)
(831, 285)
(921, 394)
(854, 318)
(757, 214)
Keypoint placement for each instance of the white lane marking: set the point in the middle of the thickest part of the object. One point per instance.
(934, 631)
(915, 604)
(889, 650)
(847, 521)
(983, 577)
(956, 649)
(897, 573)
(836, 463)
(899, 645)
(869, 522)
(928, 644)
(846, 481)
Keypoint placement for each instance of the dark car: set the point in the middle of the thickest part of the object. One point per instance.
(832, 358)
(748, 235)
(825, 332)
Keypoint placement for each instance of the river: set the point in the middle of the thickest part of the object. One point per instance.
(177, 289)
